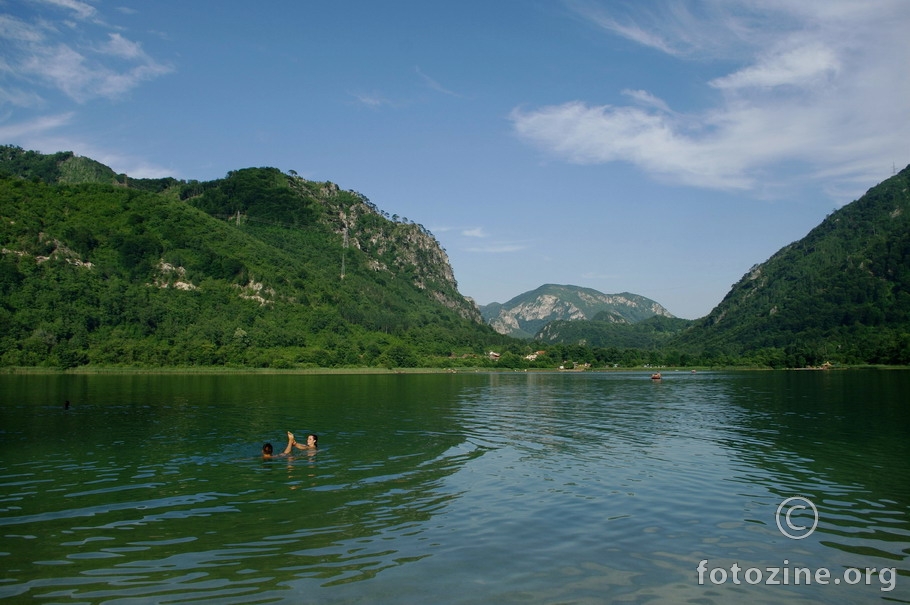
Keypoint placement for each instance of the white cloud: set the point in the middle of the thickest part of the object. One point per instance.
(656, 141)
(434, 85)
(371, 99)
(81, 9)
(643, 97)
(818, 89)
(38, 54)
(474, 232)
(602, 18)
(83, 77)
(501, 248)
(17, 30)
(33, 128)
(803, 67)
(19, 97)
(118, 46)
(57, 53)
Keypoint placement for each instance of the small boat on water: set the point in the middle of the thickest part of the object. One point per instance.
(656, 376)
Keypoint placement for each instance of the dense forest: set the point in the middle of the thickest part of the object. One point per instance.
(839, 295)
(265, 269)
(654, 332)
(260, 269)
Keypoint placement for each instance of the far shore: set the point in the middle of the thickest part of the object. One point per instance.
(364, 370)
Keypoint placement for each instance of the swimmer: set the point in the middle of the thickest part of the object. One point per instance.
(311, 444)
(268, 450)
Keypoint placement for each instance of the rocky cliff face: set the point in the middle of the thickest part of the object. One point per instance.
(397, 247)
(526, 314)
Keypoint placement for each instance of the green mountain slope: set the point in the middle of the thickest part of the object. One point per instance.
(260, 268)
(648, 334)
(840, 294)
(526, 314)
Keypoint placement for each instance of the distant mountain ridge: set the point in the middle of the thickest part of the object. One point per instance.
(265, 269)
(526, 314)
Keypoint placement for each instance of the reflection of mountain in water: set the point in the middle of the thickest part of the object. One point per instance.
(486, 488)
(831, 437)
(156, 483)
(718, 450)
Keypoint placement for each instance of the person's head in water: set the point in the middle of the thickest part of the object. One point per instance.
(267, 449)
(312, 440)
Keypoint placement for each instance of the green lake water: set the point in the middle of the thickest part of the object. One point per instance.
(454, 488)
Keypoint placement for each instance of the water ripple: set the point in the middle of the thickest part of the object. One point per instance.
(533, 488)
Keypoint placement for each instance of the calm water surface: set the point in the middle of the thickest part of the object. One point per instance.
(452, 488)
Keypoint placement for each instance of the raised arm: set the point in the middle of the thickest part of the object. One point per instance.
(291, 444)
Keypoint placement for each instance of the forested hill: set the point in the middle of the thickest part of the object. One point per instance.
(840, 294)
(260, 268)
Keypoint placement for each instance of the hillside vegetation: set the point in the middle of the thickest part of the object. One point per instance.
(265, 269)
(841, 294)
(260, 268)
(604, 331)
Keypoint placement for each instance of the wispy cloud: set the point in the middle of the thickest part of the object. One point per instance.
(42, 52)
(58, 56)
(500, 248)
(80, 10)
(817, 90)
(32, 128)
(108, 70)
(803, 66)
(643, 97)
(378, 100)
(434, 85)
(474, 232)
(18, 32)
(478, 240)
(371, 99)
(601, 17)
(19, 98)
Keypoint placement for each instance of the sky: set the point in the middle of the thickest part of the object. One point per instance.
(660, 148)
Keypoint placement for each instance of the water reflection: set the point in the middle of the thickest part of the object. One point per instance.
(532, 488)
(838, 439)
(153, 488)
(695, 466)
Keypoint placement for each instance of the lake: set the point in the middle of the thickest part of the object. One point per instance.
(462, 488)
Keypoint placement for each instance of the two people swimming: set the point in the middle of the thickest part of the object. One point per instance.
(311, 445)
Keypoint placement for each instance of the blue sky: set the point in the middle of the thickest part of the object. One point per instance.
(660, 148)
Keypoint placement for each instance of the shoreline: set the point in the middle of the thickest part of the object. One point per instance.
(86, 370)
